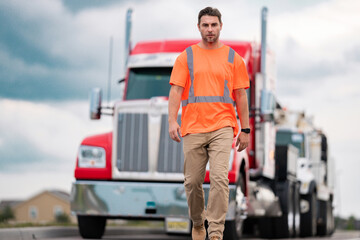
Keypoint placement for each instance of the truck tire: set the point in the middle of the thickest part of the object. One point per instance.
(296, 205)
(92, 227)
(325, 221)
(281, 227)
(233, 229)
(331, 218)
(322, 221)
(266, 228)
(308, 220)
(284, 225)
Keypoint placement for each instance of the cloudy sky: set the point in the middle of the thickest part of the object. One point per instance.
(52, 52)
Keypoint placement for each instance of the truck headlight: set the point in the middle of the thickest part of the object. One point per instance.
(91, 157)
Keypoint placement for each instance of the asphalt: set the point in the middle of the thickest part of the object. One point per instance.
(138, 233)
(31, 233)
(37, 233)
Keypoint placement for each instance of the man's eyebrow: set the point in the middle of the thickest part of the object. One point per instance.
(215, 23)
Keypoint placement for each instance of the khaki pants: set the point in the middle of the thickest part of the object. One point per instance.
(200, 148)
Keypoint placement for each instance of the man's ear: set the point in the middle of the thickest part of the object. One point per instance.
(220, 26)
(198, 27)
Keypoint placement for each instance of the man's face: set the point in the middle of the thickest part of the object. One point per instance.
(210, 28)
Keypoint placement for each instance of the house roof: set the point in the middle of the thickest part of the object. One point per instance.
(10, 203)
(60, 194)
(63, 196)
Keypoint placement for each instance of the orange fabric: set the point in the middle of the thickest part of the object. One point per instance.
(211, 69)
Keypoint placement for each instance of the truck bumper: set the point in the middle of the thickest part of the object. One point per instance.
(115, 199)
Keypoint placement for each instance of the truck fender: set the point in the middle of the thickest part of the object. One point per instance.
(306, 187)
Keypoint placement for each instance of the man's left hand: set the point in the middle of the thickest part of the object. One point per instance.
(242, 141)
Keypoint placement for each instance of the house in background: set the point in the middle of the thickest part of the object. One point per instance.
(43, 207)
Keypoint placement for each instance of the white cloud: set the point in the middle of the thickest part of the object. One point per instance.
(54, 130)
(17, 67)
(323, 30)
(80, 39)
(28, 184)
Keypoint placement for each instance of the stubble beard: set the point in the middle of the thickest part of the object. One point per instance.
(213, 39)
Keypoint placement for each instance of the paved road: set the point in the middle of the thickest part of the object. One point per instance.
(71, 233)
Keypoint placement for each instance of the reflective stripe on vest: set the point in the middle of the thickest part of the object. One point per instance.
(225, 98)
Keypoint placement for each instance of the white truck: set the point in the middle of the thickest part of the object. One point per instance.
(315, 172)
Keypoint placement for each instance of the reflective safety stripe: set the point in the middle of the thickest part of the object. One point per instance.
(231, 55)
(190, 62)
(203, 99)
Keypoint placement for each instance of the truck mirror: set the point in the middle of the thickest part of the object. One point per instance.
(95, 103)
(267, 102)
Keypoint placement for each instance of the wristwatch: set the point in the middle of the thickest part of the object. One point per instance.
(246, 130)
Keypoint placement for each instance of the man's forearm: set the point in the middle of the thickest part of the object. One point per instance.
(242, 107)
(174, 101)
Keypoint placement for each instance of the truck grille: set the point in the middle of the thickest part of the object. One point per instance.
(132, 139)
(171, 156)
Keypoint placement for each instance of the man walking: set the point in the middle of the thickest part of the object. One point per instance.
(208, 78)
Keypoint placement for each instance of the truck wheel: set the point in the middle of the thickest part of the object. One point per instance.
(308, 220)
(325, 222)
(296, 210)
(281, 227)
(322, 221)
(233, 229)
(284, 225)
(331, 226)
(91, 226)
(266, 228)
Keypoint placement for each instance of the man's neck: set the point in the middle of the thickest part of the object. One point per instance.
(210, 45)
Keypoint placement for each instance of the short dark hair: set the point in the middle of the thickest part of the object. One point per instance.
(210, 12)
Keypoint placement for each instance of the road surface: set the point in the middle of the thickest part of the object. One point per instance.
(71, 233)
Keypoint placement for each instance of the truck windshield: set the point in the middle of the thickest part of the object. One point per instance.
(296, 139)
(144, 83)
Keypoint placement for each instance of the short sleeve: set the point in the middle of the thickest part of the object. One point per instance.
(180, 71)
(241, 78)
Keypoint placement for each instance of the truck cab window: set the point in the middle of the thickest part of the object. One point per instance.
(296, 139)
(144, 83)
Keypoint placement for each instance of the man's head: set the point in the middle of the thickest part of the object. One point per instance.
(209, 11)
(209, 24)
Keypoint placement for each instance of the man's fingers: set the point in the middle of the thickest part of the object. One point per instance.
(174, 131)
(174, 136)
(179, 131)
(242, 146)
(237, 141)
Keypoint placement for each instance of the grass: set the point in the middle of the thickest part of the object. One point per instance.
(112, 223)
(30, 224)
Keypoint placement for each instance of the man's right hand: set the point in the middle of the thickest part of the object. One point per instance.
(174, 131)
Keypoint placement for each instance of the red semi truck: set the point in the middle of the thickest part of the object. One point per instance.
(136, 171)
